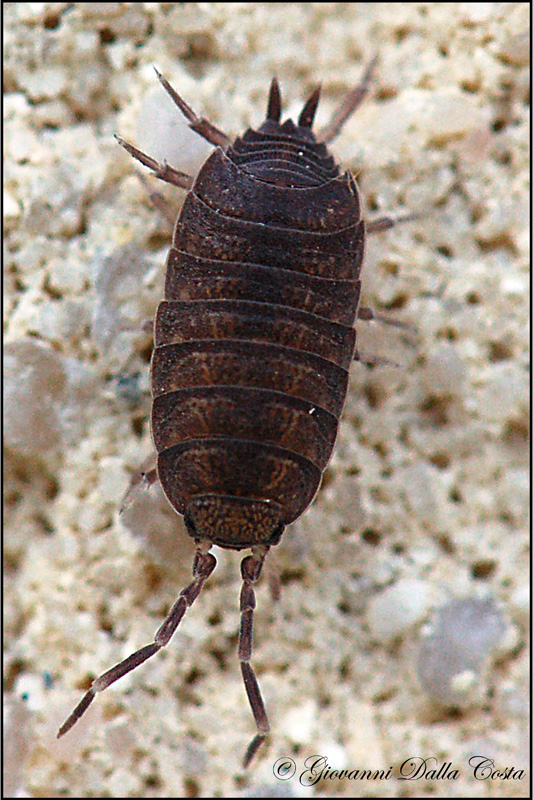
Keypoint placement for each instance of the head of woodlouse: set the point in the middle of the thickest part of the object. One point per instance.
(234, 522)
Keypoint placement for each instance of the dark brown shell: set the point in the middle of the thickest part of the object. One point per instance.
(253, 344)
(254, 339)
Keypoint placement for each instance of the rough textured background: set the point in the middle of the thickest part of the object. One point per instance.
(426, 497)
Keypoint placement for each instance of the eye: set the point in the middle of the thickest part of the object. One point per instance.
(191, 527)
(279, 532)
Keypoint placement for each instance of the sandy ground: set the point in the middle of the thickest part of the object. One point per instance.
(426, 497)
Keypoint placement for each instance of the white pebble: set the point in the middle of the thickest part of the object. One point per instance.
(163, 132)
(454, 653)
(299, 722)
(397, 608)
(34, 382)
(444, 372)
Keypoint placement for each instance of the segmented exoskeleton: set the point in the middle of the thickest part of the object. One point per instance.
(253, 345)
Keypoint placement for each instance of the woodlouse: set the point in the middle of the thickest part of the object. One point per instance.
(253, 344)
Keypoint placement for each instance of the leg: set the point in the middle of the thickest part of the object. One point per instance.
(374, 361)
(204, 564)
(161, 204)
(368, 314)
(347, 107)
(376, 226)
(141, 479)
(250, 571)
(386, 223)
(202, 126)
(162, 171)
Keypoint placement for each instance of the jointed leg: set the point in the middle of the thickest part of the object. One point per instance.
(161, 170)
(368, 315)
(204, 564)
(386, 223)
(376, 226)
(250, 571)
(202, 126)
(373, 361)
(161, 204)
(143, 477)
(347, 107)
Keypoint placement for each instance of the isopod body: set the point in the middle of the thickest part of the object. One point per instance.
(254, 338)
(253, 344)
